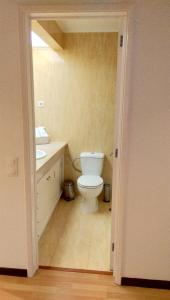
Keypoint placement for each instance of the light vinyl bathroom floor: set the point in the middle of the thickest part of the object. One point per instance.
(73, 239)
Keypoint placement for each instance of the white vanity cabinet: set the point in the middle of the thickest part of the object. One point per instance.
(49, 190)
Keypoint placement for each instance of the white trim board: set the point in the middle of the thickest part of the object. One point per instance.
(48, 12)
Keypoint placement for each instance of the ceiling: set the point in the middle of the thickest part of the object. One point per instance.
(97, 24)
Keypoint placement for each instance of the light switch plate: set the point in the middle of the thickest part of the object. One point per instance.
(12, 166)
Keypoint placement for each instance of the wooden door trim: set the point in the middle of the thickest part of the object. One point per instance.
(75, 270)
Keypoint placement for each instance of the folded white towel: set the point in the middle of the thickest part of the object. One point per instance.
(41, 136)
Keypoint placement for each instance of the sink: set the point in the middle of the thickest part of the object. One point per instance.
(40, 154)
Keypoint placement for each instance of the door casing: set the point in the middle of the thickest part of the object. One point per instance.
(27, 13)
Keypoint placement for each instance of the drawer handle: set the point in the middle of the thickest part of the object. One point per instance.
(48, 178)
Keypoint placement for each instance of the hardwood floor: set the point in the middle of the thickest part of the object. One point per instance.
(60, 285)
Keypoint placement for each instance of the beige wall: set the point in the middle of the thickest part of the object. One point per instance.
(147, 222)
(13, 245)
(79, 95)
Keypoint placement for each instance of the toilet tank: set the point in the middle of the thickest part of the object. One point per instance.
(91, 163)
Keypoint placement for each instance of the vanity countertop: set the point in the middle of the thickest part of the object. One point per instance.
(53, 150)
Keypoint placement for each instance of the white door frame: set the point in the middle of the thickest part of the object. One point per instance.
(94, 10)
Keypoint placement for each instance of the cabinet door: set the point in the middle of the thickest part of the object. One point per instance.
(55, 184)
(44, 204)
(58, 171)
(49, 190)
(61, 174)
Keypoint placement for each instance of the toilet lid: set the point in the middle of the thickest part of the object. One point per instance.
(90, 181)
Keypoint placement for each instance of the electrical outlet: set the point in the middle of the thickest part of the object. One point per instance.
(40, 103)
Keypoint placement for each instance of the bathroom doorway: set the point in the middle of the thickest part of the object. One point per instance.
(74, 82)
(119, 58)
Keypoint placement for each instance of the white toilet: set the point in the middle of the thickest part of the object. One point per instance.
(90, 184)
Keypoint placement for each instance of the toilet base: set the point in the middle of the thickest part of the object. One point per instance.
(89, 205)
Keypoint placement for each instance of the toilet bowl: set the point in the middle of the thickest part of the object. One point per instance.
(90, 187)
(90, 184)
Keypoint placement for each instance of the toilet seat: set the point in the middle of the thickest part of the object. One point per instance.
(90, 181)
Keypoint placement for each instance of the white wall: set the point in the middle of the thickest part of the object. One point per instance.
(147, 236)
(147, 214)
(12, 197)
